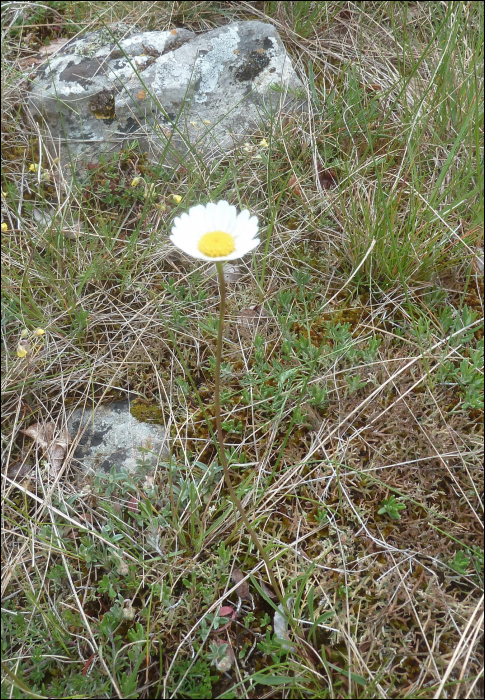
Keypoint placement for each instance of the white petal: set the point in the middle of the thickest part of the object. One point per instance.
(216, 217)
(197, 210)
(239, 253)
(243, 216)
(197, 214)
(253, 244)
(188, 248)
(191, 226)
(183, 218)
(181, 234)
(226, 219)
(246, 245)
(188, 245)
(246, 230)
(198, 218)
(250, 225)
(211, 210)
(245, 219)
(222, 208)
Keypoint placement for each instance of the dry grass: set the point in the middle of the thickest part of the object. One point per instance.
(354, 351)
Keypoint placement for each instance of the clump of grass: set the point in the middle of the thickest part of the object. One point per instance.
(352, 381)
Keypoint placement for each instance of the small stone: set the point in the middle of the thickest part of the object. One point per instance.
(114, 438)
(232, 273)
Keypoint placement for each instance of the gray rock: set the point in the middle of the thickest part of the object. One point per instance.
(169, 91)
(113, 437)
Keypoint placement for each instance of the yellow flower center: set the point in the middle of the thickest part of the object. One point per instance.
(216, 244)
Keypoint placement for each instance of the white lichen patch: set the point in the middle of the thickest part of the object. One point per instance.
(211, 65)
(171, 73)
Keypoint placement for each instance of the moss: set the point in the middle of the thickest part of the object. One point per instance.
(319, 330)
(146, 413)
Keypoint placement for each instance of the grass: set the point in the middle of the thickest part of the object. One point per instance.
(352, 378)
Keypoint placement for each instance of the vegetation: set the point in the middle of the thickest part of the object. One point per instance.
(352, 377)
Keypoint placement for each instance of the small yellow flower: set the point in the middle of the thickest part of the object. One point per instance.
(264, 143)
(22, 349)
(206, 121)
(38, 332)
(247, 147)
(34, 167)
(177, 198)
(24, 333)
(4, 194)
(194, 123)
(4, 226)
(135, 181)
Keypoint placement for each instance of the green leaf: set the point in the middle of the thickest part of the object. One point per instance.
(271, 680)
(345, 672)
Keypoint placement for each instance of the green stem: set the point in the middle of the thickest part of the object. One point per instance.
(266, 247)
(235, 499)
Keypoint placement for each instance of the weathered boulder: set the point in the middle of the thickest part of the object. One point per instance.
(170, 91)
(112, 437)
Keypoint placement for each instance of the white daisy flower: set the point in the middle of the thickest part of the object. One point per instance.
(215, 232)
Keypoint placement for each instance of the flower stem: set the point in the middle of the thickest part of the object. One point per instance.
(235, 499)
